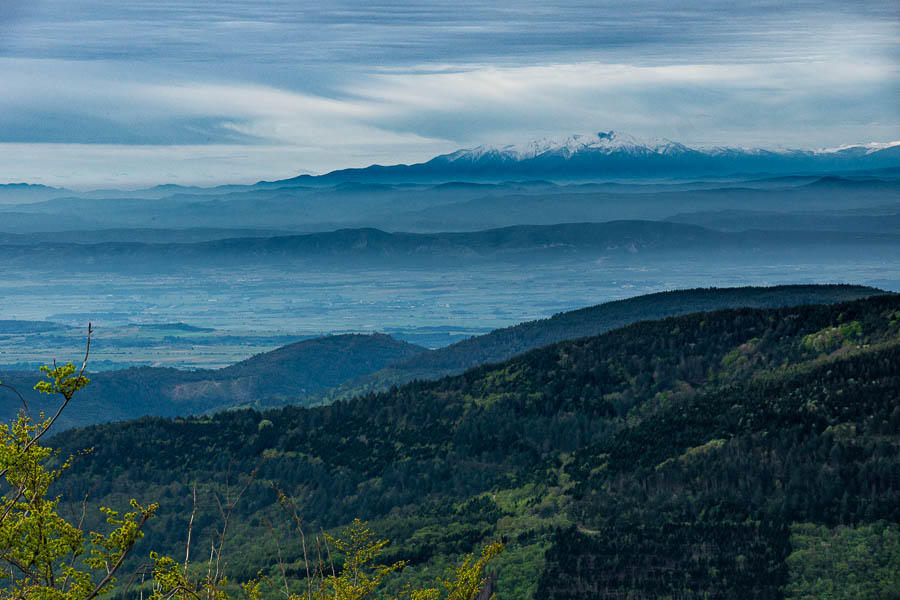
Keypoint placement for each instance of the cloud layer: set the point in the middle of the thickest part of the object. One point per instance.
(284, 87)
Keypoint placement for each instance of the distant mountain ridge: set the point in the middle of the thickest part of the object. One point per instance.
(614, 238)
(613, 154)
(450, 204)
(142, 235)
(603, 155)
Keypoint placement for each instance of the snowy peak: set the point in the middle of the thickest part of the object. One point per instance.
(613, 155)
(623, 144)
(869, 148)
(604, 142)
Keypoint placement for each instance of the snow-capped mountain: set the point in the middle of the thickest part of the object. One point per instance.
(616, 155)
(566, 147)
(616, 142)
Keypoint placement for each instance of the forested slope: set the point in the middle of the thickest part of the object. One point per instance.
(278, 377)
(593, 320)
(696, 456)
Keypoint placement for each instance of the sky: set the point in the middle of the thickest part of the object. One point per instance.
(116, 93)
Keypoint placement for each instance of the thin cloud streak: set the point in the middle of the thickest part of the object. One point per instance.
(347, 31)
(417, 106)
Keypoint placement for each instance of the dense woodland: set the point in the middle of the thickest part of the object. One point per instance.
(502, 344)
(701, 456)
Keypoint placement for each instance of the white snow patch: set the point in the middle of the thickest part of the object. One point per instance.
(870, 147)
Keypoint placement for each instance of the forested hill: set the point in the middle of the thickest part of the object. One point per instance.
(710, 455)
(281, 376)
(505, 343)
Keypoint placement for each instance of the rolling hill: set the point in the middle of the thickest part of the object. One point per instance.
(280, 376)
(504, 343)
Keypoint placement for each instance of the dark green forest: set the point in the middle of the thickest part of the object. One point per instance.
(701, 456)
(505, 343)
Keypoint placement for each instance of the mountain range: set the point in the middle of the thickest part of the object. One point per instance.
(615, 239)
(261, 211)
(602, 156)
(612, 155)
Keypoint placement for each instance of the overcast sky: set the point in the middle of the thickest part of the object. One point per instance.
(97, 93)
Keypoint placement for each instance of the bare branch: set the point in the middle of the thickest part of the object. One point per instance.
(80, 527)
(187, 550)
(226, 515)
(87, 351)
(287, 589)
(328, 550)
(212, 551)
(16, 392)
(320, 568)
(171, 593)
(288, 506)
(58, 412)
(142, 571)
(21, 567)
